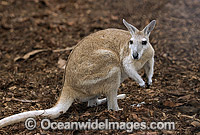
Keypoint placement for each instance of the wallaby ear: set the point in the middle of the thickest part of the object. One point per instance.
(130, 27)
(147, 30)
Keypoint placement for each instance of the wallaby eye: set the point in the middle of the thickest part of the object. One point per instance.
(131, 42)
(144, 42)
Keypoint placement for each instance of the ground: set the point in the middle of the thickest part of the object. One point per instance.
(35, 82)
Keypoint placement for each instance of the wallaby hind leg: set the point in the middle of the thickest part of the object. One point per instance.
(96, 101)
(109, 88)
(112, 101)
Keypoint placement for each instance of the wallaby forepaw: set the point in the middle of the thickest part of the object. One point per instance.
(149, 83)
(120, 109)
(115, 109)
(142, 84)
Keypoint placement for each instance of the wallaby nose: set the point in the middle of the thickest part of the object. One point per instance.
(135, 56)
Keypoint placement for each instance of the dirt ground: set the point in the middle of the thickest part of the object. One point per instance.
(31, 25)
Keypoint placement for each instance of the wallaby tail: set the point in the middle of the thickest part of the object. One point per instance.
(61, 107)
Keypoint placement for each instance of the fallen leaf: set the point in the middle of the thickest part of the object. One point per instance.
(62, 63)
(5, 3)
(185, 98)
(114, 17)
(166, 132)
(188, 109)
(195, 124)
(198, 133)
(12, 88)
(87, 114)
(178, 104)
(176, 93)
(169, 103)
(28, 55)
(8, 99)
(164, 116)
(71, 22)
(136, 117)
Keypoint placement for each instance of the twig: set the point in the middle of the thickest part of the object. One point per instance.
(113, 117)
(34, 52)
(191, 117)
(24, 100)
(66, 49)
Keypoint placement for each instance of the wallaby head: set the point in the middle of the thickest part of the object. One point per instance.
(139, 39)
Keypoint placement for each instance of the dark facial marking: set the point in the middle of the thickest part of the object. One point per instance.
(144, 42)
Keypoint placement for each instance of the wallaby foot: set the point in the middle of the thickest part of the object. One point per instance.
(95, 101)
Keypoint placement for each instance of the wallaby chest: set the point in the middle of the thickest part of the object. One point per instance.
(148, 54)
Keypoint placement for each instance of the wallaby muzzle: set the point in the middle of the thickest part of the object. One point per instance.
(135, 56)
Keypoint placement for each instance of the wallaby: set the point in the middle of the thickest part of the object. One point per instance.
(96, 66)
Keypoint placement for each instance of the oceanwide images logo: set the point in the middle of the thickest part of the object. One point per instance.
(46, 124)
